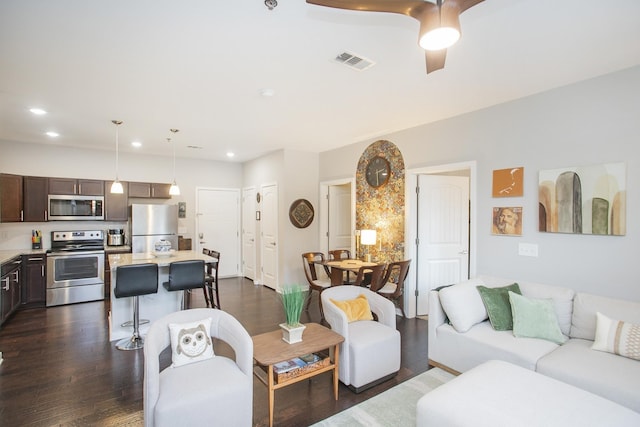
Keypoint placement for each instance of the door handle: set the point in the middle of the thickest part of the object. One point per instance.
(6, 279)
(273, 243)
(463, 252)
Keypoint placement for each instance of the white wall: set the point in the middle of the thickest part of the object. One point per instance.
(296, 174)
(591, 122)
(56, 161)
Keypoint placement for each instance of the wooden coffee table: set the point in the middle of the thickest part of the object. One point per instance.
(269, 349)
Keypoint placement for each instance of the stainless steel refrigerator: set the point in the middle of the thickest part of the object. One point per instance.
(152, 223)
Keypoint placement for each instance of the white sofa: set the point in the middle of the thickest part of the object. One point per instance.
(461, 337)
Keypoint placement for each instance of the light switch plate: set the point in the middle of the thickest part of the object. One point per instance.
(528, 249)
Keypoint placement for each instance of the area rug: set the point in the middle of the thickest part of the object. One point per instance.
(395, 407)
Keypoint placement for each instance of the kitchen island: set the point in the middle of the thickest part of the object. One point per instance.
(152, 306)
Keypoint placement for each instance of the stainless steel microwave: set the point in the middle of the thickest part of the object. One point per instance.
(74, 207)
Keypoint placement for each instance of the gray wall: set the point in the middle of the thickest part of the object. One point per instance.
(592, 122)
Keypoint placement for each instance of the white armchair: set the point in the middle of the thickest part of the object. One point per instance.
(370, 353)
(213, 392)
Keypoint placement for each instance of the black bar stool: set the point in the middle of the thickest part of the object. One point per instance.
(133, 281)
(184, 276)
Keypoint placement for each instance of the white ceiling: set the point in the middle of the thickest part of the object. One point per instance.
(200, 66)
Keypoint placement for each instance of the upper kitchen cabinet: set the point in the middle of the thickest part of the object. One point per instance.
(10, 198)
(35, 191)
(116, 208)
(70, 186)
(148, 190)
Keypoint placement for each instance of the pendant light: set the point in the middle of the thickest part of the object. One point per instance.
(116, 187)
(174, 190)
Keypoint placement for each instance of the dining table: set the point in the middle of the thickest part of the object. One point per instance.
(338, 267)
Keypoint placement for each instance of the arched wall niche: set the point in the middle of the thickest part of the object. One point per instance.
(382, 208)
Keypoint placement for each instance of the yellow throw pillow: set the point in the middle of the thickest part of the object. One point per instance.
(355, 309)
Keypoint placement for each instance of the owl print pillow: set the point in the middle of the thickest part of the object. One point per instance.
(190, 342)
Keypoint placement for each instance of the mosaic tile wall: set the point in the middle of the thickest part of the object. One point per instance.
(382, 208)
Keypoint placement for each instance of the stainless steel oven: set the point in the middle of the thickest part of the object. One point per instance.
(75, 267)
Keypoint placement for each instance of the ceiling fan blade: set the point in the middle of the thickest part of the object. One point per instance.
(404, 7)
(466, 4)
(435, 59)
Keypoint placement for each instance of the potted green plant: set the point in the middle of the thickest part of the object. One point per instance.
(293, 300)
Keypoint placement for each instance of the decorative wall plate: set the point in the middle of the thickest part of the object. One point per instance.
(301, 213)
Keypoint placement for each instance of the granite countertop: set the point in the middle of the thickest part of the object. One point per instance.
(163, 260)
(121, 248)
(9, 254)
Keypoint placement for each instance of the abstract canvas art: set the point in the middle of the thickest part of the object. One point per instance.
(583, 200)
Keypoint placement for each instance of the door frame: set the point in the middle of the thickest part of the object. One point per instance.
(411, 222)
(323, 215)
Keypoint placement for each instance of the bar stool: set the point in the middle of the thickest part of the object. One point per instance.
(184, 276)
(133, 281)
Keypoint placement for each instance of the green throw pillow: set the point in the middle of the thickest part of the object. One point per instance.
(535, 318)
(496, 301)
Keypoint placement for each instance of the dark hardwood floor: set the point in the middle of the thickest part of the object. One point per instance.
(60, 369)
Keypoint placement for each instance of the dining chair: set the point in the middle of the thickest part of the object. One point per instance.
(370, 276)
(392, 284)
(211, 278)
(316, 282)
(340, 254)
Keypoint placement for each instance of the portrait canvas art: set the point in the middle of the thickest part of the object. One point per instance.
(507, 221)
(583, 200)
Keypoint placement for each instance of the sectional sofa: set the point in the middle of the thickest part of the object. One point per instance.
(461, 337)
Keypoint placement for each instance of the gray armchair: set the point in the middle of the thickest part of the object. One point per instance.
(370, 353)
(213, 392)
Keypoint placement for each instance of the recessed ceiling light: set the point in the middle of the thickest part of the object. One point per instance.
(38, 111)
(230, 154)
(267, 93)
(53, 134)
(136, 144)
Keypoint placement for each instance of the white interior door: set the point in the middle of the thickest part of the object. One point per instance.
(340, 227)
(218, 226)
(269, 235)
(249, 233)
(443, 234)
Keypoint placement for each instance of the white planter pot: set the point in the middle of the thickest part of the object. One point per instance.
(292, 334)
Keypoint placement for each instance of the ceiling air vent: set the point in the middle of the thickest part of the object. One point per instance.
(354, 61)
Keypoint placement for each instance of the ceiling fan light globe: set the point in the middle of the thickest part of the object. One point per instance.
(439, 38)
(116, 187)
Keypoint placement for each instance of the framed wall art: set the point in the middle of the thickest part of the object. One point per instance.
(508, 182)
(583, 200)
(507, 221)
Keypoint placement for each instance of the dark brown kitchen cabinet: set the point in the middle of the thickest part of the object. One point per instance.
(34, 281)
(107, 271)
(70, 186)
(10, 288)
(35, 191)
(10, 198)
(116, 205)
(147, 190)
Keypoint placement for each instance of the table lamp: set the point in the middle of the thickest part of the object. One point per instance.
(368, 238)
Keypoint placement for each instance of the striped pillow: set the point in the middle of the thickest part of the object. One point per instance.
(617, 337)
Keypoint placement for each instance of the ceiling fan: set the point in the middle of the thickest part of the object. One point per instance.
(439, 21)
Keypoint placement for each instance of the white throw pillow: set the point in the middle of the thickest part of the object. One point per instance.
(463, 305)
(190, 342)
(617, 337)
